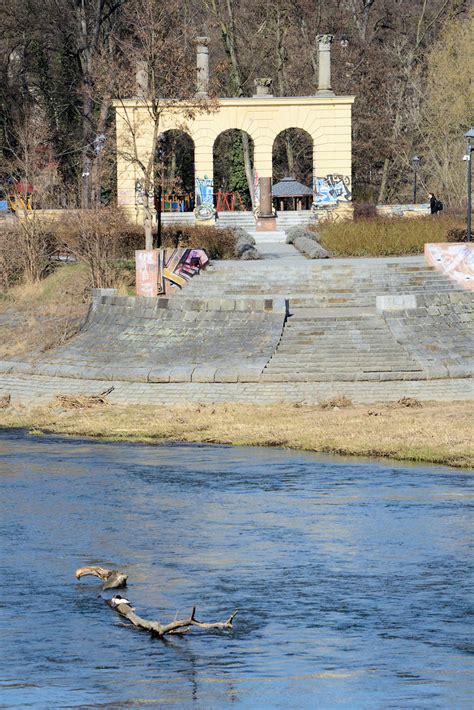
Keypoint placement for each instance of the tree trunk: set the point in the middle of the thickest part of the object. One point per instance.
(228, 38)
(383, 184)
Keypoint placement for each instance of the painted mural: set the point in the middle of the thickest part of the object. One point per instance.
(332, 189)
(204, 188)
(164, 271)
(178, 266)
(454, 260)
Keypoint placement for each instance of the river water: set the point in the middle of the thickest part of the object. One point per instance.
(353, 579)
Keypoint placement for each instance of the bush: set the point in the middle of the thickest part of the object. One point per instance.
(217, 243)
(364, 210)
(389, 236)
(457, 234)
(98, 238)
(25, 247)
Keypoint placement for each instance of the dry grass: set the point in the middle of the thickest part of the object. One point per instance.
(384, 236)
(439, 433)
(38, 316)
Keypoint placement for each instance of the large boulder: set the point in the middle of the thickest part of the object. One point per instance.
(242, 235)
(245, 245)
(310, 248)
(300, 231)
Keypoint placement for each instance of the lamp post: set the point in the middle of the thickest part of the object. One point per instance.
(468, 157)
(415, 162)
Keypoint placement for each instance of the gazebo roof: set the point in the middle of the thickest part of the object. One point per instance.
(289, 187)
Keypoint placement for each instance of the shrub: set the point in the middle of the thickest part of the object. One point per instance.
(390, 236)
(364, 210)
(457, 234)
(98, 238)
(217, 243)
(25, 246)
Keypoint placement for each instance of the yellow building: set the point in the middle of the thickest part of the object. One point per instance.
(325, 117)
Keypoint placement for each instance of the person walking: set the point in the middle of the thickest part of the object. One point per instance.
(435, 205)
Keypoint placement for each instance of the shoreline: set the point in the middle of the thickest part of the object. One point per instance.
(438, 433)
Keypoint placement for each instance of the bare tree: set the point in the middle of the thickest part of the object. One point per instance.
(152, 42)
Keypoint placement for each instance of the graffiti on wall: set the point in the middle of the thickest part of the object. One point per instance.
(331, 189)
(164, 271)
(178, 266)
(204, 188)
(454, 260)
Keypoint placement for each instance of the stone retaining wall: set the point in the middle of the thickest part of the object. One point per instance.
(36, 390)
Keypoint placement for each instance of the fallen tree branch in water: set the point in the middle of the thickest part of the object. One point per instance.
(113, 579)
(156, 628)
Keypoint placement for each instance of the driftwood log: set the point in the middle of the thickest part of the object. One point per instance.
(113, 579)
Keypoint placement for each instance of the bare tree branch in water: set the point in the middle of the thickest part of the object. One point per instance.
(113, 579)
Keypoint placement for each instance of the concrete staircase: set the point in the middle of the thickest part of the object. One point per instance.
(338, 328)
(339, 344)
(334, 283)
(245, 220)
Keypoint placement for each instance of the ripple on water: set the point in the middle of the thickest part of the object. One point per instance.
(353, 578)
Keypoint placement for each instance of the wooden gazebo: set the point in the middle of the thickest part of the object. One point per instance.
(289, 194)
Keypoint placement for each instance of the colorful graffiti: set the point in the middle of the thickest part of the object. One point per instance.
(454, 260)
(164, 271)
(178, 266)
(204, 198)
(332, 189)
(146, 265)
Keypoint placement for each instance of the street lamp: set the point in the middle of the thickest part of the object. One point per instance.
(469, 149)
(415, 162)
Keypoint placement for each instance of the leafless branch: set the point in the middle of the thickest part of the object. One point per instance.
(113, 578)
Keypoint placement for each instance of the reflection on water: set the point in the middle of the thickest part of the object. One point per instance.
(353, 579)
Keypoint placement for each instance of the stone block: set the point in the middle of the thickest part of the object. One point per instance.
(226, 374)
(401, 302)
(182, 373)
(159, 375)
(203, 373)
(249, 374)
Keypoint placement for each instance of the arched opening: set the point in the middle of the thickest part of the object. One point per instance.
(292, 167)
(233, 170)
(174, 171)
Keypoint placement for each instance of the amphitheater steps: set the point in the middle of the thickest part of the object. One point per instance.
(347, 347)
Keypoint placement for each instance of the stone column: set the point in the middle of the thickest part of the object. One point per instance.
(265, 220)
(203, 179)
(202, 67)
(141, 79)
(324, 55)
(263, 87)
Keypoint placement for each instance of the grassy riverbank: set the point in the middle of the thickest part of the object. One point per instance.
(438, 433)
